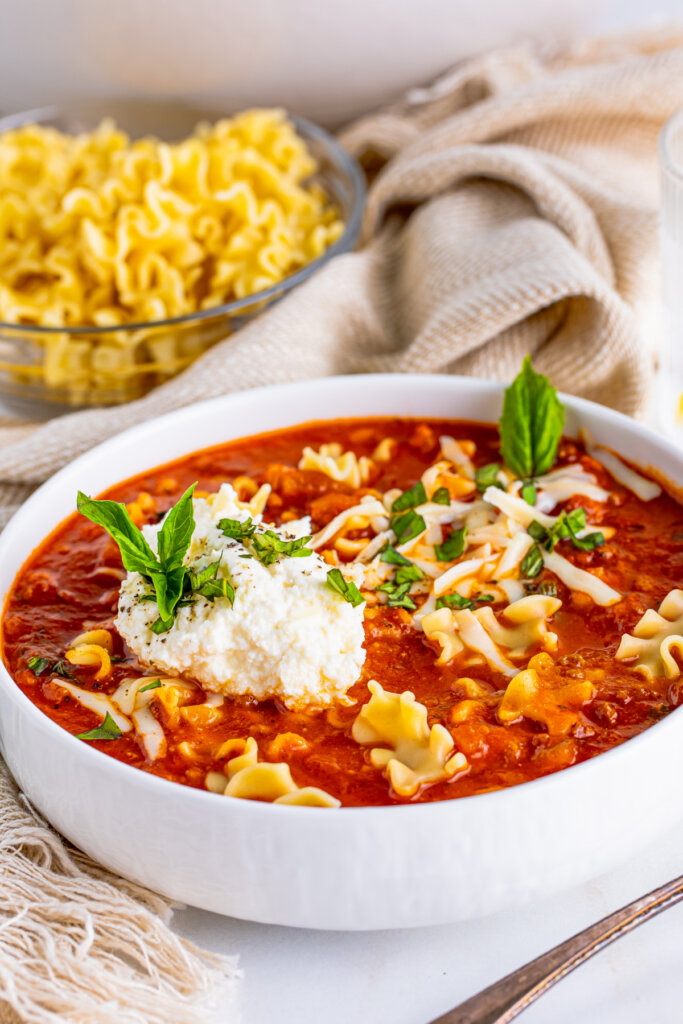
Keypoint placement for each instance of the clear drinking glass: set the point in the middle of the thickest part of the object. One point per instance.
(671, 245)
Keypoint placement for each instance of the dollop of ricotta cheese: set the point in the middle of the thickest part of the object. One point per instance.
(287, 635)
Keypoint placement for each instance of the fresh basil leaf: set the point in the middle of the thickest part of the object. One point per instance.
(407, 526)
(441, 496)
(416, 495)
(38, 665)
(198, 579)
(169, 587)
(161, 625)
(531, 423)
(532, 563)
(236, 529)
(349, 591)
(576, 519)
(537, 531)
(176, 531)
(136, 554)
(589, 542)
(393, 557)
(453, 547)
(487, 476)
(528, 493)
(109, 730)
(154, 685)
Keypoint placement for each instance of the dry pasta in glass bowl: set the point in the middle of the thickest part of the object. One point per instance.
(135, 235)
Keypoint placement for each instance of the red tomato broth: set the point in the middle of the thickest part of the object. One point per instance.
(59, 593)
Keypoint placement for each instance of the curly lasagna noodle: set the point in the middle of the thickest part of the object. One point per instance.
(358, 613)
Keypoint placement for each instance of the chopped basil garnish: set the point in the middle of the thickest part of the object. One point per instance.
(457, 601)
(532, 563)
(61, 669)
(408, 525)
(38, 665)
(566, 527)
(408, 574)
(109, 730)
(531, 423)
(538, 532)
(161, 626)
(349, 591)
(528, 493)
(590, 541)
(398, 595)
(237, 530)
(453, 547)
(487, 476)
(414, 496)
(209, 584)
(268, 547)
(398, 588)
(441, 496)
(154, 685)
(393, 557)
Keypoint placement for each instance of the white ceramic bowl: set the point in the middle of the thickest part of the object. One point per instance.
(354, 868)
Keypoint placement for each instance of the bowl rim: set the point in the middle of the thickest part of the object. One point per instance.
(346, 242)
(157, 785)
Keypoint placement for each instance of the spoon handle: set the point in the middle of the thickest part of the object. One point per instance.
(505, 999)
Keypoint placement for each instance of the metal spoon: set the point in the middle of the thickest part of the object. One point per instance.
(505, 999)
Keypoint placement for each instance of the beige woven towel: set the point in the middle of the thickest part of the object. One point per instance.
(514, 210)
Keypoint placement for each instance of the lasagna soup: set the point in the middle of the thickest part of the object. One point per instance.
(361, 612)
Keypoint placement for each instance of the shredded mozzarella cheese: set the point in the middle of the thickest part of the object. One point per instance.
(579, 579)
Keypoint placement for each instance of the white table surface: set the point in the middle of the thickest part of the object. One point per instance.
(408, 977)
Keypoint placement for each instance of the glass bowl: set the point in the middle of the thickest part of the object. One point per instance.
(28, 385)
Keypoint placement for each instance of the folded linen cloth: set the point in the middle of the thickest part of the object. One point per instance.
(512, 209)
